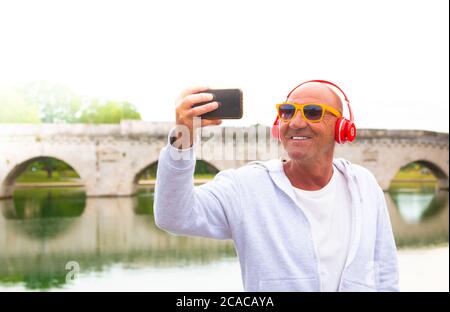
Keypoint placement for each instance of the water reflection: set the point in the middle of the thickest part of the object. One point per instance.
(37, 240)
(412, 206)
(45, 213)
(417, 207)
(419, 218)
(42, 230)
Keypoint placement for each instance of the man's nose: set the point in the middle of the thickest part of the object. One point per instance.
(298, 122)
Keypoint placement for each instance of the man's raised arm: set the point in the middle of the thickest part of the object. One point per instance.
(180, 207)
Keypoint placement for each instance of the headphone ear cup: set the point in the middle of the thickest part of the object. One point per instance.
(345, 131)
(350, 131)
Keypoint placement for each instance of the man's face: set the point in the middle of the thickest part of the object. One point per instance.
(319, 135)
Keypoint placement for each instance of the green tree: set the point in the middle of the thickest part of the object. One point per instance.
(109, 112)
(47, 102)
(49, 165)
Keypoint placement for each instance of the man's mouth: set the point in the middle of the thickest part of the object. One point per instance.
(299, 138)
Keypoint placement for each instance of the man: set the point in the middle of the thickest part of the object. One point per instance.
(312, 223)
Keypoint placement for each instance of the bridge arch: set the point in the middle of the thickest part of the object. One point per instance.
(143, 168)
(439, 172)
(19, 167)
(154, 163)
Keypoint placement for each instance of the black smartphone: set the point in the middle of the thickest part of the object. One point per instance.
(230, 104)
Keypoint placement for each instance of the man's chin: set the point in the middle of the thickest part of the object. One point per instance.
(297, 154)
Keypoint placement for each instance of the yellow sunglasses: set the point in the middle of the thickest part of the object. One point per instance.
(312, 112)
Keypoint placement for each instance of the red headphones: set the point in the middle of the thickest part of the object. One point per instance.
(345, 130)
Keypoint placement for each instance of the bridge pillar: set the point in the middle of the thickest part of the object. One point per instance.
(109, 184)
(104, 189)
(443, 184)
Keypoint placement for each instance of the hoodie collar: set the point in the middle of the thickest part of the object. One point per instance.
(276, 172)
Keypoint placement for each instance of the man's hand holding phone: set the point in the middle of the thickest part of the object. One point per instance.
(185, 113)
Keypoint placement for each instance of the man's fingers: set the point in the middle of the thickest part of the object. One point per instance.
(210, 122)
(202, 109)
(192, 90)
(192, 99)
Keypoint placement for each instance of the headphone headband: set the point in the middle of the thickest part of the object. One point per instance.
(330, 83)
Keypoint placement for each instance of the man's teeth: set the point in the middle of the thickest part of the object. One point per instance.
(299, 138)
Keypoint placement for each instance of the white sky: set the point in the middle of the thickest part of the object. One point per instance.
(390, 57)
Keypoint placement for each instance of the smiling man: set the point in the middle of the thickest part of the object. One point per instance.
(310, 223)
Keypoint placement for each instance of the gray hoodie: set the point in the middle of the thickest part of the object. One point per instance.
(256, 207)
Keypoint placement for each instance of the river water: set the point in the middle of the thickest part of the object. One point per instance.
(57, 239)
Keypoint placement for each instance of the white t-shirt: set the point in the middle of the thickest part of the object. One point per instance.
(329, 212)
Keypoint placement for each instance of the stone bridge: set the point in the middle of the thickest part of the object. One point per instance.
(110, 158)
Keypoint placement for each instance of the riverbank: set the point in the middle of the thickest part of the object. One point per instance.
(78, 183)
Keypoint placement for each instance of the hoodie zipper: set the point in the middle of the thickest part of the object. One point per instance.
(355, 215)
